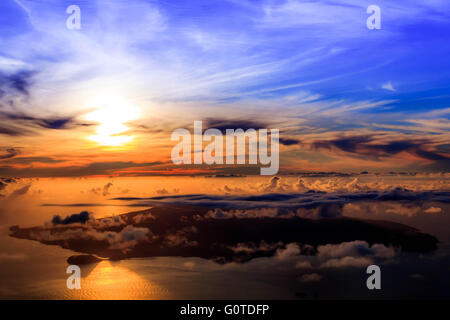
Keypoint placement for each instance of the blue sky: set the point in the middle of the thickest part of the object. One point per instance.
(239, 49)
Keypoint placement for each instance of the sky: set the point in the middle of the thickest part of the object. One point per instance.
(103, 100)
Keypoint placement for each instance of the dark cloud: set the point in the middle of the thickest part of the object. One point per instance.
(29, 160)
(348, 144)
(369, 147)
(224, 124)
(430, 155)
(329, 204)
(4, 182)
(81, 217)
(289, 142)
(8, 153)
(18, 82)
(445, 148)
(96, 168)
(8, 180)
(13, 131)
(60, 123)
(47, 122)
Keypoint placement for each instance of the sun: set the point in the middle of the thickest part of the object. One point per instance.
(112, 114)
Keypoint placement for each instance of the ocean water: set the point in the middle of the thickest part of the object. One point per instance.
(31, 270)
(39, 272)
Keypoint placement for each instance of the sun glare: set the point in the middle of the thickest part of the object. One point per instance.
(108, 280)
(112, 114)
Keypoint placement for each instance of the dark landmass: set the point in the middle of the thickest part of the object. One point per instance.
(83, 259)
(179, 230)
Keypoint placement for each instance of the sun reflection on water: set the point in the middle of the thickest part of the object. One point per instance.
(108, 281)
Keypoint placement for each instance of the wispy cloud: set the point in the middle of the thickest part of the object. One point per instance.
(388, 86)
